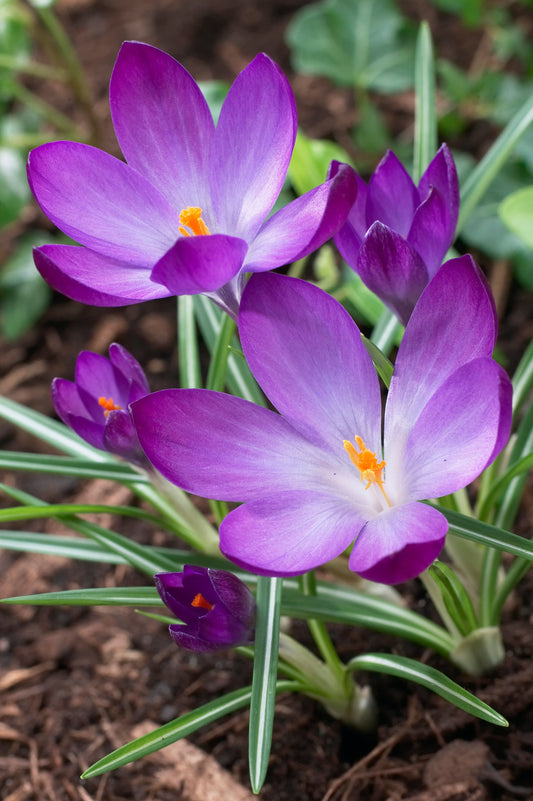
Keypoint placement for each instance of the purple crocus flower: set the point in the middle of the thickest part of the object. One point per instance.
(217, 609)
(188, 212)
(397, 234)
(96, 404)
(315, 477)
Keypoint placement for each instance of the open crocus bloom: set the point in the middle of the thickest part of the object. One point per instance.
(216, 608)
(188, 212)
(397, 234)
(315, 477)
(96, 404)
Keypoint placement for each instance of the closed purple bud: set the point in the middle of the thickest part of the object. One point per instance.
(217, 608)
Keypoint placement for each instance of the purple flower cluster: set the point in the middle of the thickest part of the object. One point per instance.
(188, 212)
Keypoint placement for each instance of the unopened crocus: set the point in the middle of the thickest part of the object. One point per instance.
(397, 234)
(315, 479)
(217, 608)
(95, 404)
(187, 213)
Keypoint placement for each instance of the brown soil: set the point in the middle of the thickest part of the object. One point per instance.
(76, 683)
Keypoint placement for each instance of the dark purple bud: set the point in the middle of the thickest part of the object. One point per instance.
(217, 608)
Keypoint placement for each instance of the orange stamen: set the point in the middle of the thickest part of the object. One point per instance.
(192, 218)
(199, 601)
(108, 405)
(367, 464)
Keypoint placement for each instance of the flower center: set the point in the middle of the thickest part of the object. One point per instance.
(108, 405)
(367, 464)
(192, 218)
(200, 601)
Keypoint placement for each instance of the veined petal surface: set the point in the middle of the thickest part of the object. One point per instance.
(290, 532)
(89, 277)
(392, 196)
(303, 225)
(399, 544)
(441, 336)
(307, 355)
(253, 144)
(455, 436)
(102, 202)
(223, 447)
(163, 124)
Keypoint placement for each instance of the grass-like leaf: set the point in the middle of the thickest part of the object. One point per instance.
(176, 729)
(425, 143)
(432, 679)
(484, 533)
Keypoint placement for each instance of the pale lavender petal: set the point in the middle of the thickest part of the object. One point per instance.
(303, 225)
(88, 277)
(220, 446)
(432, 231)
(392, 196)
(290, 532)
(391, 268)
(101, 202)
(453, 323)
(457, 433)
(399, 544)
(198, 264)
(307, 355)
(253, 144)
(163, 123)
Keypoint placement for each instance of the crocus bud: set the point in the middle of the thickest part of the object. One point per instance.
(217, 608)
(95, 405)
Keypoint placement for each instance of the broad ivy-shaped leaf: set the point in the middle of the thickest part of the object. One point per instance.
(367, 44)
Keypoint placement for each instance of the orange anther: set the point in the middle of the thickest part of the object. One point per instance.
(367, 464)
(108, 405)
(192, 218)
(199, 601)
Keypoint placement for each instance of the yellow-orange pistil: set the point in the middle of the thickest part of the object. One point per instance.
(108, 405)
(367, 464)
(192, 218)
(199, 601)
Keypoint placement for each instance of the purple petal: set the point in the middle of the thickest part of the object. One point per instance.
(234, 594)
(253, 144)
(120, 437)
(95, 378)
(170, 587)
(392, 196)
(66, 399)
(303, 225)
(432, 231)
(163, 124)
(458, 431)
(356, 226)
(88, 277)
(441, 336)
(290, 532)
(220, 446)
(132, 372)
(391, 268)
(442, 175)
(306, 353)
(199, 264)
(101, 202)
(190, 639)
(399, 544)
(222, 629)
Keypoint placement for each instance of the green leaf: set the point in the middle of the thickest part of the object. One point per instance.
(425, 140)
(94, 596)
(69, 466)
(432, 679)
(516, 211)
(482, 176)
(176, 729)
(14, 194)
(484, 533)
(455, 597)
(310, 161)
(263, 695)
(367, 44)
(344, 605)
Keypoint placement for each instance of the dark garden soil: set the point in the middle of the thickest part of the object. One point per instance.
(76, 683)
